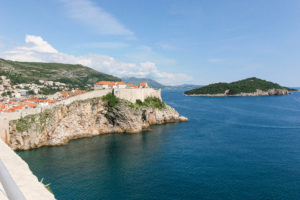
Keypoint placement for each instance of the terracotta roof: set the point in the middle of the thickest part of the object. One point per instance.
(105, 83)
(120, 83)
(131, 85)
(143, 83)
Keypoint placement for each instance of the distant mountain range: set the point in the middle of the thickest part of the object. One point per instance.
(154, 84)
(136, 81)
(76, 75)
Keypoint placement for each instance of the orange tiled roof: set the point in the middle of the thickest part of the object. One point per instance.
(79, 91)
(105, 83)
(120, 83)
(143, 83)
(131, 85)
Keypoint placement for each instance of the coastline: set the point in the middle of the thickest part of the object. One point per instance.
(59, 125)
(270, 92)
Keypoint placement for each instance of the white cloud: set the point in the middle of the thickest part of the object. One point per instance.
(38, 50)
(35, 44)
(94, 16)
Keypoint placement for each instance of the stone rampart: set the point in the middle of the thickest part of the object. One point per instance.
(130, 94)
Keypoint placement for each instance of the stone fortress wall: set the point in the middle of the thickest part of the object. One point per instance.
(137, 93)
(130, 94)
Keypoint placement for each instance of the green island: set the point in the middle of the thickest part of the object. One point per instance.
(247, 87)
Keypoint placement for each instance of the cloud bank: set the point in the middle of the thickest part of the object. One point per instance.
(38, 50)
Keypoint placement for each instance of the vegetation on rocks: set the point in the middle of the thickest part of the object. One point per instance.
(111, 100)
(151, 102)
(248, 85)
(38, 120)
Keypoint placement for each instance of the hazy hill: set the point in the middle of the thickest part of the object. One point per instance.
(248, 85)
(154, 84)
(26, 72)
(181, 87)
(136, 81)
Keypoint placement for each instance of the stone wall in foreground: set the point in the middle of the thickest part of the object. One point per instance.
(19, 170)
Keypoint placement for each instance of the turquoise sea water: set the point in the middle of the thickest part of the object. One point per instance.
(231, 148)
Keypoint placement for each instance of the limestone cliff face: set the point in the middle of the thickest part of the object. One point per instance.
(85, 118)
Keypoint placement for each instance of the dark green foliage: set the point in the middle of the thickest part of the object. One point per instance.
(31, 92)
(111, 100)
(139, 102)
(30, 72)
(247, 86)
(48, 91)
(151, 102)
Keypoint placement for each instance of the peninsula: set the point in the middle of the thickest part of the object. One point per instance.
(247, 87)
(51, 110)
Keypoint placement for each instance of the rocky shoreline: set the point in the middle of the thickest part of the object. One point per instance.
(270, 92)
(85, 118)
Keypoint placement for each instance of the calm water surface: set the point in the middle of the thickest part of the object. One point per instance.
(231, 148)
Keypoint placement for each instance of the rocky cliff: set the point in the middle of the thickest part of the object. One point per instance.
(86, 118)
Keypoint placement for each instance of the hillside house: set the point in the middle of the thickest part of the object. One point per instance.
(120, 85)
(104, 85)
(144, 85)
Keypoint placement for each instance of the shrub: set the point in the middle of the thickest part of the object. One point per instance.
(151, 102)
(111, 100)
(139, 102)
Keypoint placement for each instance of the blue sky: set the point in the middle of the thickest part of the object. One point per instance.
(172, 41)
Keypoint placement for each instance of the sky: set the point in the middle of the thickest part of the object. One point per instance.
(171, 41)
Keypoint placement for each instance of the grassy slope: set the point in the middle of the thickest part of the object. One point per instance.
(247, 85)
(25, 72)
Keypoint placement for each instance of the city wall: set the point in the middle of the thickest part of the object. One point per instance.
(130, 94)
(137, 93)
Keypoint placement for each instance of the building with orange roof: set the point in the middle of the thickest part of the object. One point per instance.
(104, 85)
(144, 85)
(110, 85)
(132, 86)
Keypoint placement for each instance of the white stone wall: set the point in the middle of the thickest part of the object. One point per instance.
(26, 181)
(132, 94)
(4, 129)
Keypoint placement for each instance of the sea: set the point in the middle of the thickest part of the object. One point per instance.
(243, 148)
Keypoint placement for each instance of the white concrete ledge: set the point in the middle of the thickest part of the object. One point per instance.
(27, 182)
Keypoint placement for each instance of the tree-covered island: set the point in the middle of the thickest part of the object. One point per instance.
(247, 87)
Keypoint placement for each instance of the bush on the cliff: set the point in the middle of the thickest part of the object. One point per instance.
(151, 102)
(138, 102)
(111, 100)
